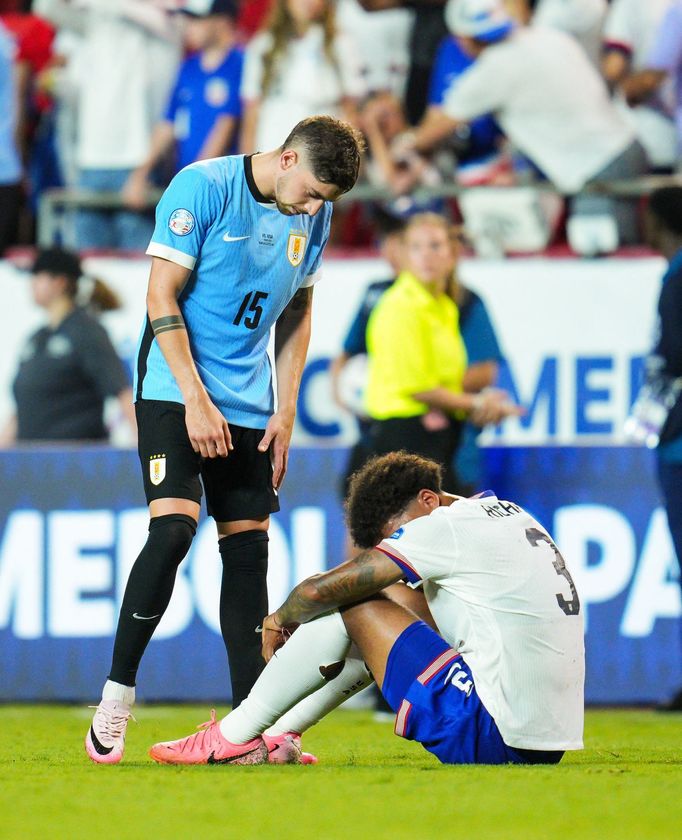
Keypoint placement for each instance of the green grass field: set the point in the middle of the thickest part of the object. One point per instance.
(368, 784)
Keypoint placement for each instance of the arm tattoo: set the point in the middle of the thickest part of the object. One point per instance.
(168, 323)
(353, 581)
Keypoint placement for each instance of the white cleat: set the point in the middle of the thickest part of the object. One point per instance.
(105, 741)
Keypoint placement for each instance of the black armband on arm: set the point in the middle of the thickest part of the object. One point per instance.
(168, 323)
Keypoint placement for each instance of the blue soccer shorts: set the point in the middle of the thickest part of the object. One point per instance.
(431, 689)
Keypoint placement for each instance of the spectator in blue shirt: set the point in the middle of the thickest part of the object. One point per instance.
(482, 136)
(204, 107)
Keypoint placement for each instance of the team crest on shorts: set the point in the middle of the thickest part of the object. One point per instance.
(157, 469)
(181, 222)
(296, 247)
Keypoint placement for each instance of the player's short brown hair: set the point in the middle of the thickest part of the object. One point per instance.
(333, 149)
(382, 489)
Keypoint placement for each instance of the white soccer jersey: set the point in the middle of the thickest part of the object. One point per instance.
(501, 595)
(631, 26)
(549, 101)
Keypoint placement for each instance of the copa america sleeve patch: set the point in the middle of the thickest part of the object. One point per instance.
(181, 222)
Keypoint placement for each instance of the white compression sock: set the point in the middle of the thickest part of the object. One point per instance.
(293, 673)
(117, 691)
(315, 706)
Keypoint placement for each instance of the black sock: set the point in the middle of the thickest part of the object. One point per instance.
(243, 605)
(149, 591)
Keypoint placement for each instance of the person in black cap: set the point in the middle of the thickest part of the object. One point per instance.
(68, 367)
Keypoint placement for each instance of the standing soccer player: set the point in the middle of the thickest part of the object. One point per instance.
(236, 249)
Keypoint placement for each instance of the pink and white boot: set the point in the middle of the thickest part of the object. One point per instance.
(105, 741)
(208, 746)
(286, 749)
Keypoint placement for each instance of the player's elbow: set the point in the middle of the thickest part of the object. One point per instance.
(314, 591)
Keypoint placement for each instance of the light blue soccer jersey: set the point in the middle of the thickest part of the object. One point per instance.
(247, 261)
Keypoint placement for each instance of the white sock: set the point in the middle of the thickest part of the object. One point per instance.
(315, 706)
(117, 691)
(291, 674)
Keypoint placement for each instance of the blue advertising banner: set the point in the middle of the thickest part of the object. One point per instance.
(72, 522)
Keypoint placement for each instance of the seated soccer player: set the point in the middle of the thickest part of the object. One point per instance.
(497, 677)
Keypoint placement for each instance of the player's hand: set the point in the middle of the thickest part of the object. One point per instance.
(273, 636)
(208, 431)
(492, 406)
(277, 438)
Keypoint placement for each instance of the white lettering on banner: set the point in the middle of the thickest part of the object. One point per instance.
(131, 534)
(76, 569)
(88, 556)
(576, 528)
(22, 578)
(565, 399)
(65, 586)
(655, 592)
(568, 399)
(279, 564)
(308, 535)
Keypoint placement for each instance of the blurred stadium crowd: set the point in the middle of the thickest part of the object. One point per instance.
(111, 97)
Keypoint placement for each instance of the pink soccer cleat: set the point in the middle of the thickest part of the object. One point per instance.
(208, 746)
(286, 749)
(106, 737)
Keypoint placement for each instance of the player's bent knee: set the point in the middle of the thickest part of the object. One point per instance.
(412, 600)
(172, 535)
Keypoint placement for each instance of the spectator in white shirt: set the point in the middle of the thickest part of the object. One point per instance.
(629, 35)
(548, 99)
(299, 66)
(382, 39)
(126, 65)
(584, 19)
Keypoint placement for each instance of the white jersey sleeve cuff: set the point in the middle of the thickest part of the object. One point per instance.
(156, 249)
(311, 279)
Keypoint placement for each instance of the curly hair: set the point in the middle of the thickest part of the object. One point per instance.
(333, 149)
(382, 489)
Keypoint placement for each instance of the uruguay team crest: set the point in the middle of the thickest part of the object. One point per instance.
(296, 247)
(157, 469)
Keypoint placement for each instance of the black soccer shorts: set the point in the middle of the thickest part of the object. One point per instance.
(237, 487)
